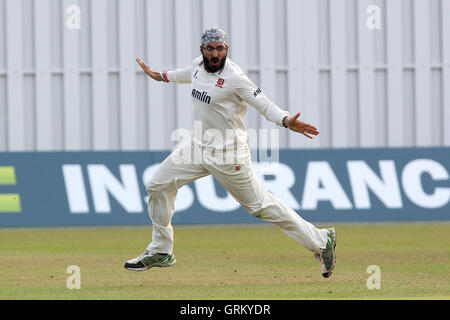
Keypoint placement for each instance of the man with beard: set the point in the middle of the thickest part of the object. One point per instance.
(220, 95)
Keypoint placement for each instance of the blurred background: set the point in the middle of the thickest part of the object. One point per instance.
(367, 73)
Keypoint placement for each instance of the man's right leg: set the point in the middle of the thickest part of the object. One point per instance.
(162, 190)
(173, 173)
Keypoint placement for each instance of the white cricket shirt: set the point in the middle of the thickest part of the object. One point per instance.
(219, 103)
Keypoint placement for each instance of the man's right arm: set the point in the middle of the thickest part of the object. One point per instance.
(178, 75)
(146, 68)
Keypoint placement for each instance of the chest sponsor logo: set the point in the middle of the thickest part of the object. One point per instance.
(202, 96)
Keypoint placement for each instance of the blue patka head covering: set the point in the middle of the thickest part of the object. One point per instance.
(214, 34)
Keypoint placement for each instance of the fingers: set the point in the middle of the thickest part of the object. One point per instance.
(307, 131)
(142, 63)
(306, 135)
(312, 130)
(301, 126)
(292, 120)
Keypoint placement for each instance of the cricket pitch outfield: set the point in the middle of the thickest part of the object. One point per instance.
(227, 262)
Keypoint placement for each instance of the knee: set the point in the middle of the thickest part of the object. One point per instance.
(154, 187)
(150, 187)
(256, 209)
(261, 206)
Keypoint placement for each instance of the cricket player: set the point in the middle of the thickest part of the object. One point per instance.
(221, 93)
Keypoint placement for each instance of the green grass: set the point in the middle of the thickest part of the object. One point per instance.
(231, 262)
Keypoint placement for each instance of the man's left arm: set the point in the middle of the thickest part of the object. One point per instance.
(248, 91)
(299, 126)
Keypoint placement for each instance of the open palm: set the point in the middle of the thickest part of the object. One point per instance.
(302, 127)
(146, 68)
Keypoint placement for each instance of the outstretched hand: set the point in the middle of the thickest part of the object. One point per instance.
(299, 126)
(148, 70)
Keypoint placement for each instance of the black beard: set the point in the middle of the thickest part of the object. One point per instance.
(214, 69)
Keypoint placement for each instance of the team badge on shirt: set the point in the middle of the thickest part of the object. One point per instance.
(220, 83)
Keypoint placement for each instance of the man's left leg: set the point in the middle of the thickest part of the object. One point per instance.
(244, 186)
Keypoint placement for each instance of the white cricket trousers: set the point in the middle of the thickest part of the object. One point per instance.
(175, 171)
